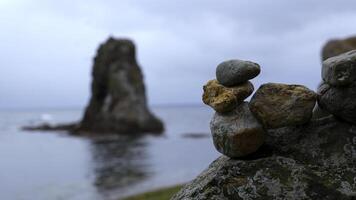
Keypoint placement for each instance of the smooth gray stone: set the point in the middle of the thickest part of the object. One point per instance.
(340, 70)
(237, 133)
(234, 72)
(339, 101)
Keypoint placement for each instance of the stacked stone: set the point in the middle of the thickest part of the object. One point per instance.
(236, 132)
(333, 48)
(337, 93)
(238, 127)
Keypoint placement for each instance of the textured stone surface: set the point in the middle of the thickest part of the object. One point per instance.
(318, 165)
(234, 72)
(340, 70)
(237, 133)
(118, 101)
(319, 112)
(335, 47)
(277, 105)
(339, 101)
(223, 99)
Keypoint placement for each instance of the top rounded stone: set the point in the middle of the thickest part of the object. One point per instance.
(235, 72)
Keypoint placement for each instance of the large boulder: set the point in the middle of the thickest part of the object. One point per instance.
(319, 164)
(118, 102)
(277, 105)
(338, 46)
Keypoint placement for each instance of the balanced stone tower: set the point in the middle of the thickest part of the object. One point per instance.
(239, 127)
(118, 102)
(272, 146)
(236, 132)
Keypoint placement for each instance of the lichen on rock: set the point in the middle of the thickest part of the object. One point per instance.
(318, 165)
(224, 99)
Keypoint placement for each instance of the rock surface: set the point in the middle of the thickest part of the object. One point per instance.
(335, 47)
(340, 70)
(223, 99)
(340, 101)
(278, 105)
(235, 72)
(237, 133)
(118, 102)
(317, 165)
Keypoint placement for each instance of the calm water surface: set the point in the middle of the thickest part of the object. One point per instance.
(55, 166)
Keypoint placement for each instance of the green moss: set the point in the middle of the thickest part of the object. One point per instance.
(160, 194)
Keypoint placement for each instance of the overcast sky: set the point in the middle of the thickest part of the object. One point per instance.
(47, 46)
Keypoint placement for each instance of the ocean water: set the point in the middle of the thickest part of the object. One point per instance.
(55, 166)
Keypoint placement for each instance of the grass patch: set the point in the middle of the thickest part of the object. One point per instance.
(160, 194)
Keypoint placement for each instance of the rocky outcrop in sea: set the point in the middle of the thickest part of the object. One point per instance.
(118, 103)
(272, 146)
(118, 98)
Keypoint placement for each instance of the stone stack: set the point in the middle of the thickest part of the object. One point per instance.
(303, 157)
(236, 132)
(330, 49)
(337, 93)
(239, 128)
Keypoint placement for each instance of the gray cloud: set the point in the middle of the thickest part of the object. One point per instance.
(47, 46)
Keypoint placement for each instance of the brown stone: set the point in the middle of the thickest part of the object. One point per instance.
(278, 105)
(223, 99)
(338, 46)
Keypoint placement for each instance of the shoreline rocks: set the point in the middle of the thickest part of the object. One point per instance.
(277, 105)
(300, 157)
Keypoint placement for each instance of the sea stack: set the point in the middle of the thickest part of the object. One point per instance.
(118, 101)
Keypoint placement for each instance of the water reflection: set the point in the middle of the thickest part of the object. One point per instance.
(48, 166)
(119, 162)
